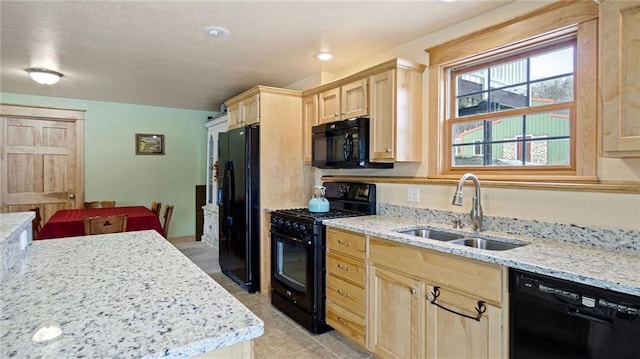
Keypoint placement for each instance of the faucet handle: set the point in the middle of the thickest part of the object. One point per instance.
(457, 223)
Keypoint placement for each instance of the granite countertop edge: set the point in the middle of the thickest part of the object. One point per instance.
(603, 268)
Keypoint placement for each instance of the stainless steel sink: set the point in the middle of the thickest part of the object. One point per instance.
(488, 244)
(432, 234)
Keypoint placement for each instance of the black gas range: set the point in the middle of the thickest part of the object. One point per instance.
(298, 252)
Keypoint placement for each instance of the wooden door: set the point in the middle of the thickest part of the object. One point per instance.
(620, 79)
(329, 106)
(382, 126)
(309, 119)
(250, 110)
(451, 335)
(42, 159)
(354, 100)
(395, 315)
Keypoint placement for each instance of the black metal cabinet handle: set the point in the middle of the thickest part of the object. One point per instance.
(433, 297)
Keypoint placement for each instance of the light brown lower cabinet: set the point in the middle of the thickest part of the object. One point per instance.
(401, 301)
(426, 304)
(451, 335)
(396, 314)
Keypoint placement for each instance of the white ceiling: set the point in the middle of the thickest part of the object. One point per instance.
(154, 52)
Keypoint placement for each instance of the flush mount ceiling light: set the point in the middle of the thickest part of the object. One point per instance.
(44, 76)
(324, 56)
(215, 31)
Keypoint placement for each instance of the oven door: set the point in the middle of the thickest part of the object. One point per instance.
(292, 268)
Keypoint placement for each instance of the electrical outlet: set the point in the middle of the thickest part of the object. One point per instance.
(413, 194)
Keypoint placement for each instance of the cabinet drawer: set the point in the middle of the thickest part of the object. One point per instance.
(345, 268)
(349, 324)
(344, 242)
(346, 294)
(478, 278)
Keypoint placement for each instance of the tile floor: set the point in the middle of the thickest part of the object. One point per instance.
(282, 338)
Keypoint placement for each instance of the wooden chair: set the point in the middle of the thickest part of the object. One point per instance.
(155, 208)
(100, 204)
(108, 204)
(105, 224)
(168, 211)
(36, 223)
(93, 204)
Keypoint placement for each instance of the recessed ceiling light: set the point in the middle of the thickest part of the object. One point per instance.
(324, 56)
(215, 31)
(44, 76)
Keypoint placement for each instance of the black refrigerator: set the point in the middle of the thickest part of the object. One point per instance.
(239, 205)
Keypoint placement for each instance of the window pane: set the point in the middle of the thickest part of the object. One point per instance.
(552, 91)
(509, 98)
(549, 124)
(556, 152)
(464, 156)
(550, 64)
(472, 104)
(501, 129)
(472, 82)
(467, 132)
(508, 74)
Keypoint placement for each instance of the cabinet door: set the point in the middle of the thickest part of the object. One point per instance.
(250, 110)
(451, 335)
(329, 106)
(354, 100)
(382, 125)
(621, 78)
(310, 119)
(395, 314)
(234, 118)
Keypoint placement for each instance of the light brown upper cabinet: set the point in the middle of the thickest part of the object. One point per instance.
(346, 101)
(243, 111)
(390, 94)
(396, 114)
(620, 74)
(309, 119)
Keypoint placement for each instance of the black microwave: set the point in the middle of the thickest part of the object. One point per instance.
(343, 144)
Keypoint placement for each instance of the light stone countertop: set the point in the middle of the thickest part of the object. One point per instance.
(610, 269)
(125, 295)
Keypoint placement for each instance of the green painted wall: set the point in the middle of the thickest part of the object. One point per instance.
(114, 172)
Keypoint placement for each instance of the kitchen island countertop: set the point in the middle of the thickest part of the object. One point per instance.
(125, 295)
(616, 270)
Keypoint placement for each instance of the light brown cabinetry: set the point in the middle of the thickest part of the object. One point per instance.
(438, 295)
(396, 307)
(390, 94)
(345, 289)
(309, 119)
(396, 115)
(620, 75)
(243, 111)
(347, 101)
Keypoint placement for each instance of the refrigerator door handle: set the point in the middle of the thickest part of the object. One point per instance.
(229, 191)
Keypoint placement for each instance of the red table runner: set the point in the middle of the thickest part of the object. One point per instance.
(68, 222)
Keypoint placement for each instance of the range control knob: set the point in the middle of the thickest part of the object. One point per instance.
(302, 227)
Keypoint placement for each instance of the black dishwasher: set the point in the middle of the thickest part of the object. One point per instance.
(554, 318)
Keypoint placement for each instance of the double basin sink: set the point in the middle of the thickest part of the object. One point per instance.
(454, 238)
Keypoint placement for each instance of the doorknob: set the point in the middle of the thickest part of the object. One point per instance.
(72, 196)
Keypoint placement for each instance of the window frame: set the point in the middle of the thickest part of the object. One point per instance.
(514, 53)
(549, 24)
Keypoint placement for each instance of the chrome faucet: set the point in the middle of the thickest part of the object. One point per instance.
(476, 207)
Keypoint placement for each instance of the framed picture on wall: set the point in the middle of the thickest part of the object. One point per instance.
(149, 144)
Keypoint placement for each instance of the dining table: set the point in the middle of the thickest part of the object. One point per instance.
(69, 222)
